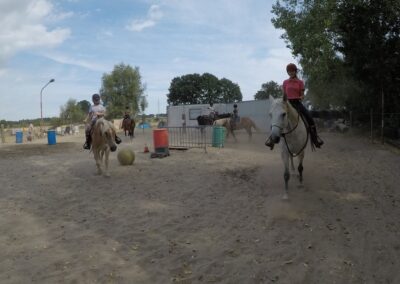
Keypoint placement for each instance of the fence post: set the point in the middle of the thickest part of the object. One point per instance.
(351, 119)
(383, 116)
(3, 138)
(372, 125)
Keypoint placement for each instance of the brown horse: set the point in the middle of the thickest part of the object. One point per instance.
(244, 123)
(128, 124)
(103, 141)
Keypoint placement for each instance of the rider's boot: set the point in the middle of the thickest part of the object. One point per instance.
(317, 141)
(88, 141)
(269, 143)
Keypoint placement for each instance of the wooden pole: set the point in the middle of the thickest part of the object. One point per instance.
(351, 119)
(3, 138)
(383, 116)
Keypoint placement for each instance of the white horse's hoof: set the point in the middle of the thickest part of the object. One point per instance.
(285, 197)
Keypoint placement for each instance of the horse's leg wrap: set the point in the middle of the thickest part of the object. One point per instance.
(286, 176)
(300, 169)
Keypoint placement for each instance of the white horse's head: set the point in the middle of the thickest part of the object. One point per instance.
(279, 118)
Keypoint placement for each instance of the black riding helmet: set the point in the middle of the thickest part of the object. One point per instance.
(96, 97)
(235, 105)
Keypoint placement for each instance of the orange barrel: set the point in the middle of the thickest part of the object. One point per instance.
(160, 139)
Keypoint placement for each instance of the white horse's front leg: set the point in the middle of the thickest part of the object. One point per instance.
(107, 154)
(286, 175)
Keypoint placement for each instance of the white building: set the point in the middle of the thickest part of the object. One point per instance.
(186, 115)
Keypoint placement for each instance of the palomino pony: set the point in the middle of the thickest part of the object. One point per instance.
(244, 123)
(128, 124)
(103, 141)
(288, 124)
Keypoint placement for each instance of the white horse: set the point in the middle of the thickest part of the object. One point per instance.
(288, 129)
(103, 141)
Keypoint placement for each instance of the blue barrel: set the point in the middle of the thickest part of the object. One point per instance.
(51, 137)
(218, 136)
(18, 136)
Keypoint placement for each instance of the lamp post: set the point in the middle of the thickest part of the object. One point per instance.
(41, 105)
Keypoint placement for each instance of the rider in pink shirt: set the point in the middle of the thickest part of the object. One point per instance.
(293, 88)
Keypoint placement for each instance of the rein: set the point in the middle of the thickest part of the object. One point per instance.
(290, 131)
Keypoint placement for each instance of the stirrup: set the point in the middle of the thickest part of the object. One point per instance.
(318, 143)
(117, 140)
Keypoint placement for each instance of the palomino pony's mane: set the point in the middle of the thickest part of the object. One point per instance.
(105, 125)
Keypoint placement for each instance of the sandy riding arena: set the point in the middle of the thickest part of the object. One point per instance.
(197, 217)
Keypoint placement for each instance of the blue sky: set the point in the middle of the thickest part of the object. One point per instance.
(77, 41)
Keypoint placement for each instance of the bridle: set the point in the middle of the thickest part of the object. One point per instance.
(283, 134)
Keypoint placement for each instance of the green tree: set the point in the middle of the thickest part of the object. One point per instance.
(122, 88)
(84, 106)
(202, 89)
(143, 103)
(308, 33)
(71, 112)
(268, 89)
(186, 89)
(229, 92)
(368, 36)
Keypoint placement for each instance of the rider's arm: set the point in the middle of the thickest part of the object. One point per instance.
(302, 94)
(301, 90)
(101, 112)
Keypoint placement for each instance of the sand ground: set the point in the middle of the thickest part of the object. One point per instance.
(197, 217)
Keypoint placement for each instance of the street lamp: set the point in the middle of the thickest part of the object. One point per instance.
(41, 105)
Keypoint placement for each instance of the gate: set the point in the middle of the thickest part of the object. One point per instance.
(190, 137)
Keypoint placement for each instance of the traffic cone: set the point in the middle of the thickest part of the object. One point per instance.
(146, 149)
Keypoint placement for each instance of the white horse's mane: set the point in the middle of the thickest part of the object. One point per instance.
(290, 109)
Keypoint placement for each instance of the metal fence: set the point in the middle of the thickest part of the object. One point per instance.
(378, 125)
(190, 137)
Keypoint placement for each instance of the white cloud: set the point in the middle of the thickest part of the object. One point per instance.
(153, 16)
(23, 27)
(64, 59)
